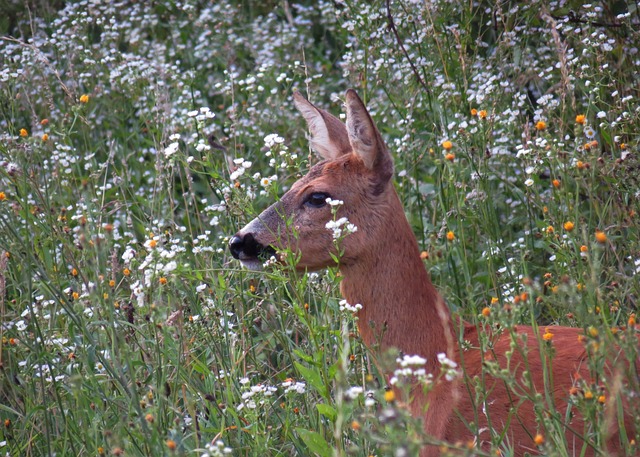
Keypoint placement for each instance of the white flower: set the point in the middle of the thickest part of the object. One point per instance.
(171, 149)
(528, 182)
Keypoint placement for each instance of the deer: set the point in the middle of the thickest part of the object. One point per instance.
(381, 269)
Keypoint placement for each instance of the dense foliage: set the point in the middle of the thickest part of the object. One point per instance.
(137, 137)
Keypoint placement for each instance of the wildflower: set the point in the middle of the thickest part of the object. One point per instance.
(3, 196)
(593, 332)
(424, 255)
(482, 114)
(528, 182)
(74, 272)
(448, 367)
(589, 132)
(447, 145)
(547, 336)
(112, 283)
(581, 119)
(583, 248)
(601, 237)
(632, 320)
(588, 395)
(23, 132)
(355, 425)
(389, 396)
(474, 112)
(84, 98)
(541, 125)
(569, 226)
(126, 272)
(162, 281)
(44, 122)
(75, 295)
(580, 165)
(486, 311)
(550, 229)
(451, 236)
(450, 157)
(172, 445)
(602, 399)
(45, 137)
(538, 439)
(556, 183)
(149, 418)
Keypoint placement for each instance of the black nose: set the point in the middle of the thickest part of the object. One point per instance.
(245, 246)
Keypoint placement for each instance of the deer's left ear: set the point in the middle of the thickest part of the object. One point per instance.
(366, 140)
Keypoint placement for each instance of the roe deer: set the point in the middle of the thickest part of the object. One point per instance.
(382, 270)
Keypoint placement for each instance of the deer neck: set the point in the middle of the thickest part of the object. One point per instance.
(400, 306)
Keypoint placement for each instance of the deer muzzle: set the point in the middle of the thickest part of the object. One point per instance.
(249, 251)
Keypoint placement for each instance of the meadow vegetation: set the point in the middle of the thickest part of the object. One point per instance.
(137, 137)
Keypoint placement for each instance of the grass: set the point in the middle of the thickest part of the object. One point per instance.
(127, 329)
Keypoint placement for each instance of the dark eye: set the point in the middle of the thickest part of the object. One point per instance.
(317, 200)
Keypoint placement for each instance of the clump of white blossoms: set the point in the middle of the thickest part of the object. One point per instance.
(242, 167)
(217, 449)
(410, 366)
(344, 306)
(448, 367)
(341, 227)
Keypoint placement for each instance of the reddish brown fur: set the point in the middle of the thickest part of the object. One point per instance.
(382, 270)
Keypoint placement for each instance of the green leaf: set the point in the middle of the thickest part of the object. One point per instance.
(315, 442)
(327, 411)
(313, 377)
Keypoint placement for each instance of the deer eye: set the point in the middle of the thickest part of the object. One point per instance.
(317, 200)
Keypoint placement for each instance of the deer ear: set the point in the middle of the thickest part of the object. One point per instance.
(365, 138)
(328, 134)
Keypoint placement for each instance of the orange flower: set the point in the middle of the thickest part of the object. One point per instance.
(474, 112)
(541, 125)
(482, 114)
(547, 336)
(23, 132)
(447, 145)
(450, 157)
(486, 311)
(556, 183)
(84, 98)
(389, 396)
(538, 439)
(581, 119)
(601, 237)
(569, 226)
(451, 236)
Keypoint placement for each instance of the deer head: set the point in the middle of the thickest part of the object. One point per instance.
(356, 169)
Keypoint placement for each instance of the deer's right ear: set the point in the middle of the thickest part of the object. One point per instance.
(328, 134)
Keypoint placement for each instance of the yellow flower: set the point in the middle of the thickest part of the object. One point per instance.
(45, 137)
(84, 98)
(482, 114)
(450, 235)
(126, 272)
(447, 145)
(547, 336)
(390, 396)
(474, 112)
(541, 125)
(569, 226)
(163, 281)
(601, 237)
(581, 119)
(23, 133)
